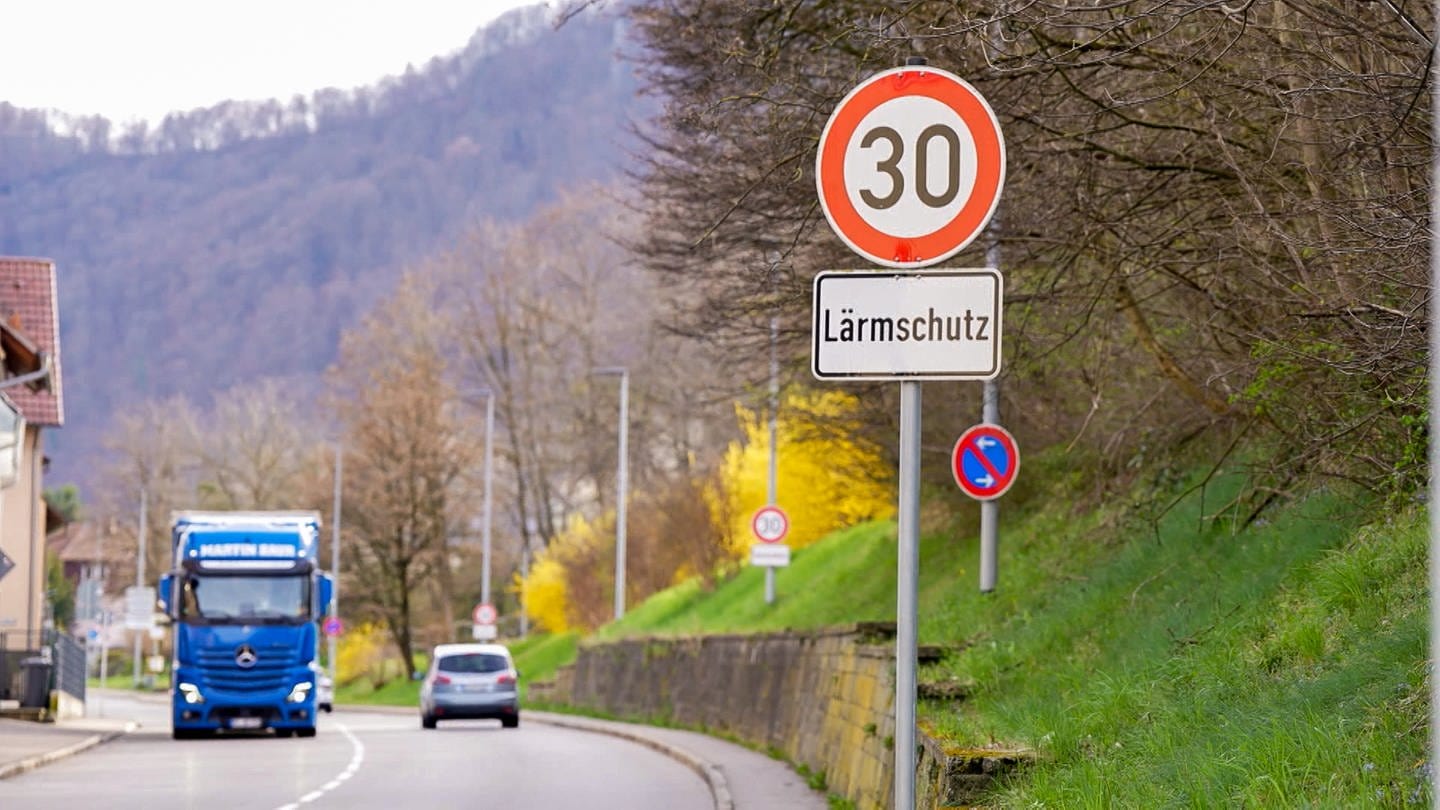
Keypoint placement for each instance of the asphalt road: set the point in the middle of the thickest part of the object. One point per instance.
(359, 760)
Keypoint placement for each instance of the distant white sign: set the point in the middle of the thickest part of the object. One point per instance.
(915, 325)
(767, 555)
(483, 632)
(139, 607)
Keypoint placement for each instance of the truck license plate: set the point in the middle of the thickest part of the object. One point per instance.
(245, 722)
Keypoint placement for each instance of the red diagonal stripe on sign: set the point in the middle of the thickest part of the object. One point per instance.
(973, 447)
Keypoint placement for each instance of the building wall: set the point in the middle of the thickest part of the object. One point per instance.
(22, 536)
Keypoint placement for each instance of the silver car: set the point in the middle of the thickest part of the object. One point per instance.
(470, 681)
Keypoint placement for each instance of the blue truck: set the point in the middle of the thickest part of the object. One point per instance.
(244, 599)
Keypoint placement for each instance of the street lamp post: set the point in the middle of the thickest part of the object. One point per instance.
(489, 480)
(140, 570)
(334, 605)
(621, 484)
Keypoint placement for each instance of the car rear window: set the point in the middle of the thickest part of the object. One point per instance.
(473, 662)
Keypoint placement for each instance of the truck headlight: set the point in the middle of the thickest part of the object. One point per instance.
(300, 692)
(190, 692)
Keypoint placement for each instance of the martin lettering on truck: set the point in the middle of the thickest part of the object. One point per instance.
(245, 595)
(247, 550)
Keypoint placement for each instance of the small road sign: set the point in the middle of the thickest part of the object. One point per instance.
(484, 614)
(770, 524)
(917, 325)
(333, 626)
(139, 607)
(483, 632)
(765, 555)
(985, 461)
(910, 166)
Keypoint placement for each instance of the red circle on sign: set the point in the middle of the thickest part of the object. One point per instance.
(484, 614)
(770, 524)
(986, 480)
(888, 249)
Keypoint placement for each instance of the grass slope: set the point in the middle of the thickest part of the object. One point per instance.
(1179, 661)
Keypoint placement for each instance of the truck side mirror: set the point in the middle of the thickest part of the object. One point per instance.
(162, 594)
(327, 593)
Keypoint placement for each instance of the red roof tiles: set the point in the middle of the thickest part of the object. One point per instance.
(29, 305)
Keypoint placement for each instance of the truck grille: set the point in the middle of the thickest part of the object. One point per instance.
(271, 671)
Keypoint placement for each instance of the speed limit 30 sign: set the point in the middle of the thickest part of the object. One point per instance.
(770, 524)
(910, 166)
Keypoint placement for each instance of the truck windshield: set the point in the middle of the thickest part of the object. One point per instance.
(247, 599)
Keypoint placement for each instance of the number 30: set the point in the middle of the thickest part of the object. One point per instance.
(890, 167)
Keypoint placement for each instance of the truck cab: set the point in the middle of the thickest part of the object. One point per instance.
(244, 598)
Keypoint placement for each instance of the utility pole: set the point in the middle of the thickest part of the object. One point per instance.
(621, 485)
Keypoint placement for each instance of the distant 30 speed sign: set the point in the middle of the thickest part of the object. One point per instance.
(910, 167)
(770, 524)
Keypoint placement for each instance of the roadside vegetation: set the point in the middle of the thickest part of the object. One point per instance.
(1151, 657)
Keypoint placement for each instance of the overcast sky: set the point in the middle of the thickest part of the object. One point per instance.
(128, 59)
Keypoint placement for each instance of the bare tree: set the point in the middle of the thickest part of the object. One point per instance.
(251, 449)
(404, 457)
(1214, 214)
(151, 455)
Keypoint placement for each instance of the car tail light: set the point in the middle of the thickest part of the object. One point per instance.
(504, 679)
(441, 680)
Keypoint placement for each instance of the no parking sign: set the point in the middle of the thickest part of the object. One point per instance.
(985, 461)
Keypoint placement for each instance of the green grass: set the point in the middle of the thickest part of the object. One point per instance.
(538, 656)
(846, 577)
(1278, 667)
(395, 692)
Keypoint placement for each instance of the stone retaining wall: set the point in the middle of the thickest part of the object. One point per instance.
(824, 698)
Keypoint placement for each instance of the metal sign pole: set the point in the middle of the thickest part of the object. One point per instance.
(774, 415)
(907, 586)
(990, 415)
(990, 510)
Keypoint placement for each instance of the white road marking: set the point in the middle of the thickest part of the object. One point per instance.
(355, 761)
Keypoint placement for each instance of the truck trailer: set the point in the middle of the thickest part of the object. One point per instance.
(245, 596)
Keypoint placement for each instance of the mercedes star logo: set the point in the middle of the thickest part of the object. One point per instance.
(245, 656)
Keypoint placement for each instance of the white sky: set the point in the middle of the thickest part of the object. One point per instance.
(128, 59)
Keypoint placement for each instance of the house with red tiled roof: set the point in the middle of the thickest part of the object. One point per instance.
(30, 403)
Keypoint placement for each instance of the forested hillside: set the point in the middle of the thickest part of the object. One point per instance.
(238, 241)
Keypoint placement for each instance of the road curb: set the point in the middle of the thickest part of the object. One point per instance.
(707, 771)
(31, 763)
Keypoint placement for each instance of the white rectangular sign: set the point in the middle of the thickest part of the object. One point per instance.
(483, 632)
(769, 555)
(907, 325)
(139, 607)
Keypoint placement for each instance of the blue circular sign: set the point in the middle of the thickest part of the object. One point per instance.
(332, 626)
